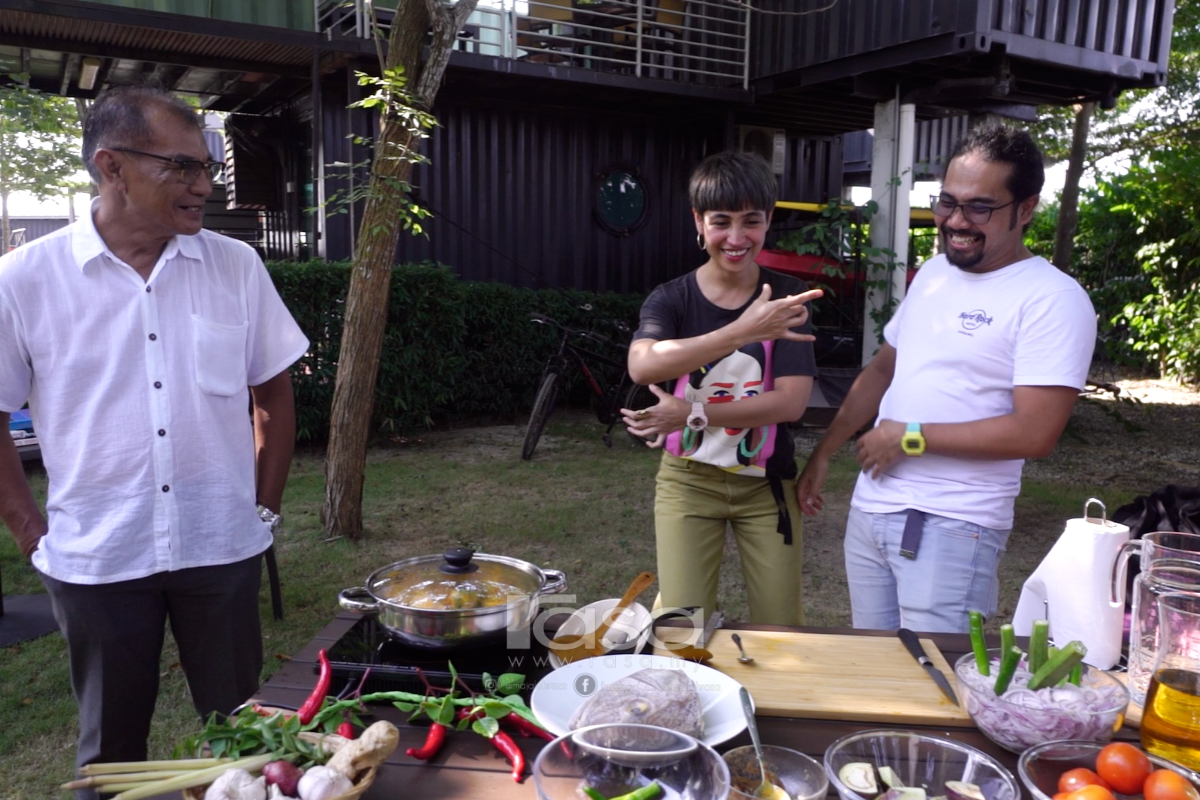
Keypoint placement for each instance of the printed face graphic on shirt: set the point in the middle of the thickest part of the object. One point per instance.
(735, 377)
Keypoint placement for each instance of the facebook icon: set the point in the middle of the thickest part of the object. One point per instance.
(585, 684)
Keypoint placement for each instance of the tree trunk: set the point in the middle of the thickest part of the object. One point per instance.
(370, 277)
(1068, 206)
(5, 223)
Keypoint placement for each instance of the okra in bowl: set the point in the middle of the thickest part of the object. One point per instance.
(1020, 717)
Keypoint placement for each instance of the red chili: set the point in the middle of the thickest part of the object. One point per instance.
(475, 712)
(317, 699)
(433, 742)
(346, 729)
(527, 728)
(507, 746)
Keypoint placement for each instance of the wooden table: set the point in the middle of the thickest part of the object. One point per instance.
(470, 767)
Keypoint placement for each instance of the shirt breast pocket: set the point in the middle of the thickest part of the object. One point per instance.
(220, 352)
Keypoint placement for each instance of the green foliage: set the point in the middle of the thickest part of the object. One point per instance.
(452, 348)
(408, 125)
(842, 233)
(39, 143)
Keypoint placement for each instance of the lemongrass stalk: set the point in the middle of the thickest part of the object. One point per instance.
(125, 777)
(121, 787)
(148, 766)
(197, 777)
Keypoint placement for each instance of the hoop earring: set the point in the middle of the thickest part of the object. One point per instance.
(700, 241)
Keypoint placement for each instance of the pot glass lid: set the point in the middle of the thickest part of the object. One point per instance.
(457, 580)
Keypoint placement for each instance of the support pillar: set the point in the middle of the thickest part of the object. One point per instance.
(891, 184)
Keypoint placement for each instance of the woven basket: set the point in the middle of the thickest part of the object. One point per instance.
(331, 743)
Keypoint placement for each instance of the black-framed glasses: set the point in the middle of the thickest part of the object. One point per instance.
(975, 213)
(189, 168)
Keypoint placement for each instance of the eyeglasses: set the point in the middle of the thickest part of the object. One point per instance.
(975, 213)
(189, 169)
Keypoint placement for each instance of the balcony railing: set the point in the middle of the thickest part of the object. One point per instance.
(692, 41)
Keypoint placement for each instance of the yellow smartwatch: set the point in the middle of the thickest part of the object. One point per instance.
(912, 442)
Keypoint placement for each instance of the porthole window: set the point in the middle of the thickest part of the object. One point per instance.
(620, 200)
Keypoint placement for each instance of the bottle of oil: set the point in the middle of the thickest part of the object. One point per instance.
(1171, 717)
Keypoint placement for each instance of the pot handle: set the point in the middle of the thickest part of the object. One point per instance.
(556, 581)
(358, 599)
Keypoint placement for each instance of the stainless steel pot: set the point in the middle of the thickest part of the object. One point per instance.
(464, 572)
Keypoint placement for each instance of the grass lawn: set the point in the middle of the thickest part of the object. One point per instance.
(576, 506)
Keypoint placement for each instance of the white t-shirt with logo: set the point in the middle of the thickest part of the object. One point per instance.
(963, 341)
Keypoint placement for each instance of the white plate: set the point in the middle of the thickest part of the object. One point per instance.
(557, 695)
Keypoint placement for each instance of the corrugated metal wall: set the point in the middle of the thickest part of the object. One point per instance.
(1137, 29)
(782, 43)
(1129, 28)
(35, 227)
(293, 14)
(512, 194)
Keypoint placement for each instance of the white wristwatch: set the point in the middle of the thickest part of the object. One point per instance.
(697, 420)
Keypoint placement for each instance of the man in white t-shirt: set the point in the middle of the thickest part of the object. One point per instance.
(979, 370)
(139, 341)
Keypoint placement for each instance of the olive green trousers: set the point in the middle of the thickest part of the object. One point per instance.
(692, 506)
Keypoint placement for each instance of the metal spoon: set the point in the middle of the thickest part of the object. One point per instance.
(766, 790)
(743, 658)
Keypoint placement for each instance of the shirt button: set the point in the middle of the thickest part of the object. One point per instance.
(166, 488)
(162, 432)
(147, 288)
(158, 384)
(153, 337)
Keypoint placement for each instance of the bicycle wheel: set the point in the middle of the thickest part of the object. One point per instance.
(638, 397)
(542, 406)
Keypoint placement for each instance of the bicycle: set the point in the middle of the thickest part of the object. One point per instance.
(607, 401)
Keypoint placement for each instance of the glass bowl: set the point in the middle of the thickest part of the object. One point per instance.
(619, 758)
(1022, 718)
(1040, 766)
(919, 761)
(800, 775)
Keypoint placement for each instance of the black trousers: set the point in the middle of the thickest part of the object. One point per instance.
(115, 633)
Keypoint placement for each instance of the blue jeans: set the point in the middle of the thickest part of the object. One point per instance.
(954, 572)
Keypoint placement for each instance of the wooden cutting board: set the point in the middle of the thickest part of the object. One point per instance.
(830, 676)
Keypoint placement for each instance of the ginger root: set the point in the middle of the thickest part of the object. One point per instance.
(369, 750)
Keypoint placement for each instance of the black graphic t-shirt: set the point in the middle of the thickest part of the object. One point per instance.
(679, 310)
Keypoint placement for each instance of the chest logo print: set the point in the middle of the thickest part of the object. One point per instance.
(972, 320)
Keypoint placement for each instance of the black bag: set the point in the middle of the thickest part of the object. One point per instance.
(1169, 508)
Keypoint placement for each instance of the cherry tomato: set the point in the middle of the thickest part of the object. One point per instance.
(1078, 778)
(1124, 766)
(1092, 791)
(1165, 784)
(1061, 796)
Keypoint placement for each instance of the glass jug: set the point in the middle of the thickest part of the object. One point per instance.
(1170, 562)
(1171, 717)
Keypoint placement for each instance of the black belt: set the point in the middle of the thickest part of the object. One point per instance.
(910, 540)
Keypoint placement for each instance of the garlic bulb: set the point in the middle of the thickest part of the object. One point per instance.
(322, 783)
(237, 784)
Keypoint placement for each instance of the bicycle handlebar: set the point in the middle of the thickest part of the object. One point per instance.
(600, 338)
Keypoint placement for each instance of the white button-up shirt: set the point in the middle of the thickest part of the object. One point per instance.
(139, 396)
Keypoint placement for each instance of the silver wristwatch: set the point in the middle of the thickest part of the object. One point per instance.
(697, 420)
(270, 517)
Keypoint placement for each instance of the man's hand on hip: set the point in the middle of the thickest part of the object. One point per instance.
(879, 447)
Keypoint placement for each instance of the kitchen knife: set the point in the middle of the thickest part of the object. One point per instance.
(714, 621)
(913, 645)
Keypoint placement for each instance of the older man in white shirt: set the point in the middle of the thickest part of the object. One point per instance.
(138, 340)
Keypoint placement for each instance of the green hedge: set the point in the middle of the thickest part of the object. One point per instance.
(453, 349)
